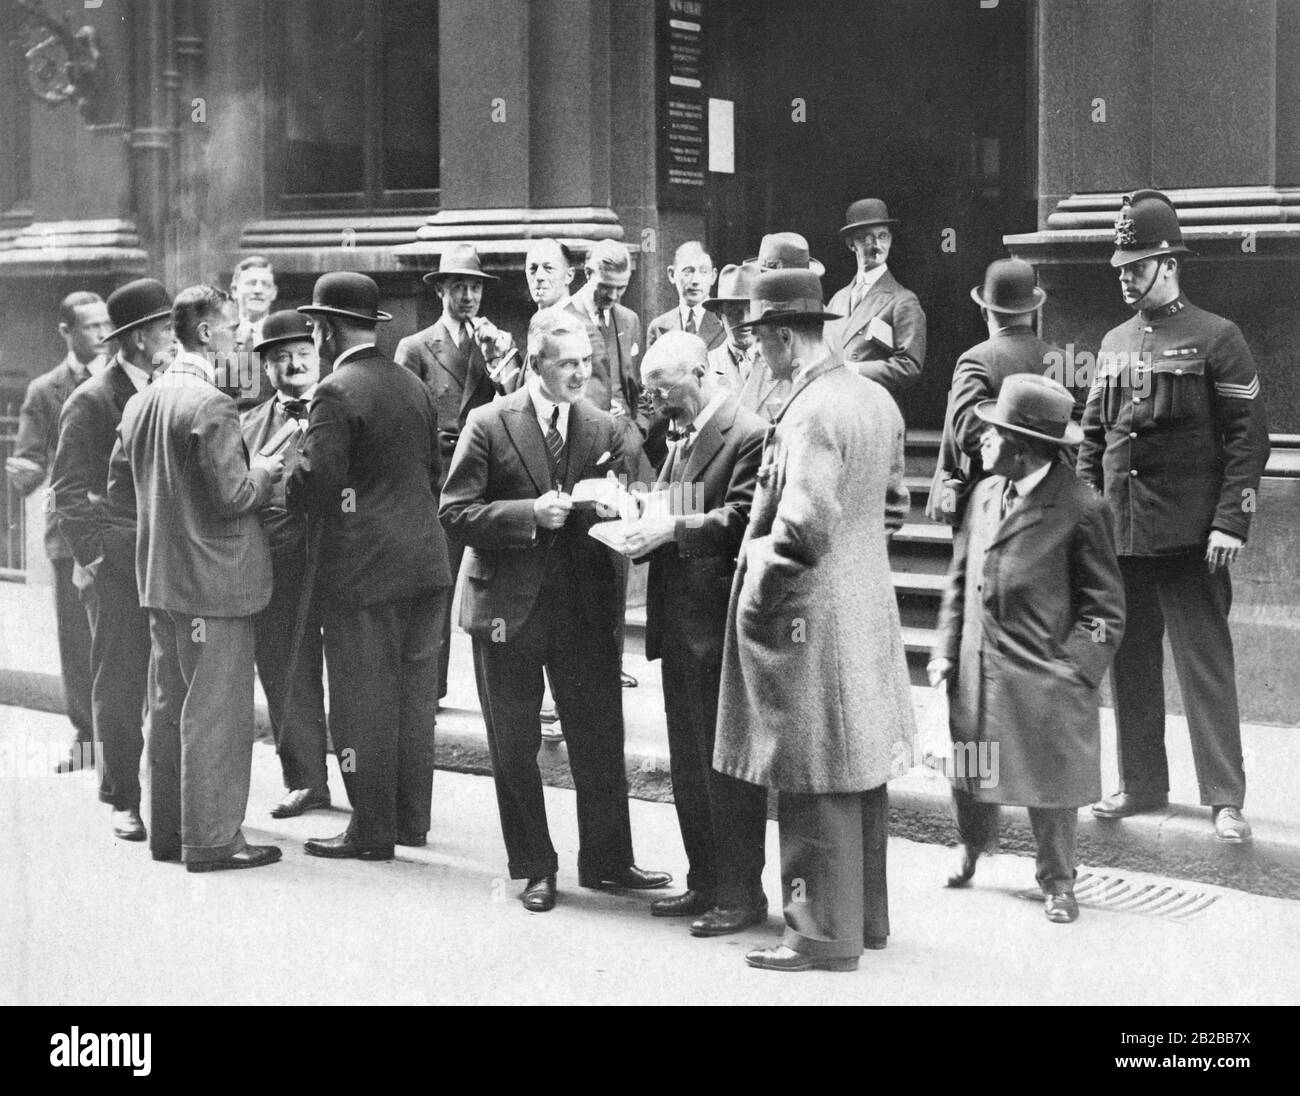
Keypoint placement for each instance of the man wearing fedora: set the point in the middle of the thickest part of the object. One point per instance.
(204, 570)
(1032, 616)
(736, 364)
(369, 470)
(708, 481)
(787, 251)
(465, 359)
(83, 323)
(103, 540)
(292, 367)
(692, 275)
(1176, 439)
(882, 333)
(815, 699)
(1007, 302)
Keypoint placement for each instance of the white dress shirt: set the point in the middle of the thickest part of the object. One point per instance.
(545, 407)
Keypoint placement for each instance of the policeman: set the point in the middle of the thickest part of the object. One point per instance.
(1175, 438)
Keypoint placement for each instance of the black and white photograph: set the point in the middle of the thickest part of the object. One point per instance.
(651, 502)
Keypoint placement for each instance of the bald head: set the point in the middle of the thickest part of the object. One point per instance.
(676, 373)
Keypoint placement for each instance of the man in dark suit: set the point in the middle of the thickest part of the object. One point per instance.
(102, 538)
(692, 275)
(737, 363)
(458, 357)
(882, 333)
(369, 469)
(293, 370)
(83, 323)
(1031, 619)
(540, 592)
(692, 532)
(204, 569)
(1007, 302)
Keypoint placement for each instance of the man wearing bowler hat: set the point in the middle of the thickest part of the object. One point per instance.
(465, 359)
(1032, 615)
(882, 334)
(1176, 439)
(737, 364)
(1007, 301)
(815, 699)
(103, 540)
(292, 367)
(369, 470)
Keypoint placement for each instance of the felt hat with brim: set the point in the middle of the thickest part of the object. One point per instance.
(288, 325)
(1009, 286)
(786, 250)
(734, 283)
(1147, 226)
(786, 296)
(135, 304)
(1035, 406)
(345, 293)
(866, 212)
(462, 260)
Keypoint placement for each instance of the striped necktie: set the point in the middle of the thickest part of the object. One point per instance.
(690, 328)
(555, 443)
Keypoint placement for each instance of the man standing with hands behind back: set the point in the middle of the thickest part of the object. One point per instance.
(541, 593)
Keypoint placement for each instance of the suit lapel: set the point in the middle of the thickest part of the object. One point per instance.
(475, 375)
(875, 300)
(582, 436)
(520, 421)
(1031, 509)
(706, 446)
(815, 371)
(121, 385)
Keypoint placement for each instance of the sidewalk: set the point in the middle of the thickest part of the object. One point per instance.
(1177, 842)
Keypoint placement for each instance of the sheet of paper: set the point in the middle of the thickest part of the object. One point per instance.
(611, 533)
(607, 492)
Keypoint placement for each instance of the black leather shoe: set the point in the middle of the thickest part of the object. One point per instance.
(539, 895)
(299, 801)
(344, 848)
(250, 856)
(722, 922)
(127, 825)
(1062, 908)
(1123, 804)
(783, 958)
(627, 680)
(629, 878)
(81, 756)
(412, 840)
(689, 904)
(966, 872)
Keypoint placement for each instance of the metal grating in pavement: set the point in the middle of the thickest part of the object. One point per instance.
(1113, 892)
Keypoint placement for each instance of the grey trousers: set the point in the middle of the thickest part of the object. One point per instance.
(1054, 831)
(200, 737)
(833, 871)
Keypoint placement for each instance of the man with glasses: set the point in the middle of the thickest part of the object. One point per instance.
(882, 334)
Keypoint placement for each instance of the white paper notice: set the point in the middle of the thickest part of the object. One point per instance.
(722, 136)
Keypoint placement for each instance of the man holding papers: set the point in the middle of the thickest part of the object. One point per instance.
(540, 592)
(708, 483)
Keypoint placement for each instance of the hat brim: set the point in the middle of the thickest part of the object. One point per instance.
(777, 318)
(1039, 297)
(1122, 256)
(1073, 431)
(326, 310)
(259, 347)
(867, 224)
(433, 276)
(714, 303)
(136, 323)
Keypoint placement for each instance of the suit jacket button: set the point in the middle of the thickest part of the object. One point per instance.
(1133, 472)
(1133, 435)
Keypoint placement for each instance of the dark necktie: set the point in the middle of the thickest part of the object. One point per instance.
(690, 328)
(295, 409)
(683, 434)
(1009, 498)
(555, 443)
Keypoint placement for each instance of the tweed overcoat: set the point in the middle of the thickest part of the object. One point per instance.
(815, 693)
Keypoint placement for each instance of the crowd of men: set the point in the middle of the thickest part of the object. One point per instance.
(753, 455)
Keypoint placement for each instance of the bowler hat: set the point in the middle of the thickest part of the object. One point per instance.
(786, 250)
(734, 283)
(136, 303)
(289, 325)
(786, 296)
(1035, 406)
(866, 212)
(459, 259)
(345, 293)
(1009, 286)
(1147, 226)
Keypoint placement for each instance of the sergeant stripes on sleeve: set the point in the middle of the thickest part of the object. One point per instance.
(1238, 391)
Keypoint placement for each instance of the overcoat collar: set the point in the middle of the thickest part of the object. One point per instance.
(813, 372)
(1032, 508)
